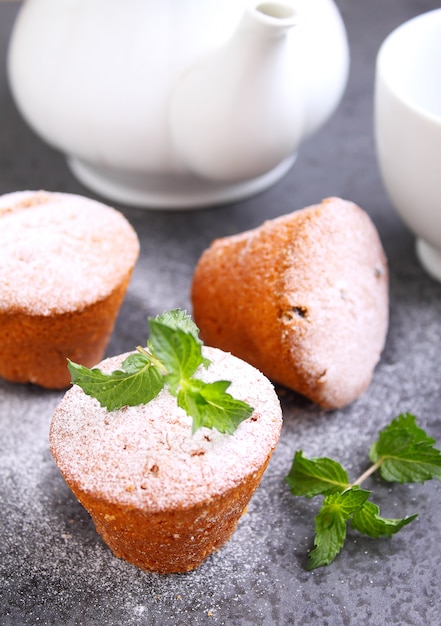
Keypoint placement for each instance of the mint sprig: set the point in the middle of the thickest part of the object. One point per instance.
(170, 359)
(403, 453)
(331, 523)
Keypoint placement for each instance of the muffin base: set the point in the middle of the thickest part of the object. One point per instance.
(34, 348)
(175, 540)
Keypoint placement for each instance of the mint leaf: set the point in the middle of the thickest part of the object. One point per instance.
(172, 356)
(211, 406)
(137, 382)
(402, 453)
(369, 522)
(179, 319)
(331, 523)
(178, 350)
(310, 477)
(405, 453)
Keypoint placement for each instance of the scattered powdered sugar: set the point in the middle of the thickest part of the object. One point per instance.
(146, 456)
(61, 252)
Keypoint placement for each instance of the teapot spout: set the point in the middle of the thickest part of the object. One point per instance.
(272, 18)
(237, 114)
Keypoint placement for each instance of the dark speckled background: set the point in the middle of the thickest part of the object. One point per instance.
(55, 570)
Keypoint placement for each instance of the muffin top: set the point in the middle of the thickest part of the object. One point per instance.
(60, 252)
(146, 456)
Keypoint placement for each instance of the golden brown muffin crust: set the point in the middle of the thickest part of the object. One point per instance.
(304, 298)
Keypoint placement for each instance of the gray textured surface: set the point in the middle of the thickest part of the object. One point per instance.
(54, 569)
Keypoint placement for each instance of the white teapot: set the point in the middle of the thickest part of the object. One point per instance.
(177, 103)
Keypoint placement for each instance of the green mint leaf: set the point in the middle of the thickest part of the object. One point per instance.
(179, 351)
(178, 318)
(310, 477)
(369, 522)
(402, 453)
(405, 453)
(172, 356)
(135, 362)
(211, 406)
(331, 523)
(137, 382)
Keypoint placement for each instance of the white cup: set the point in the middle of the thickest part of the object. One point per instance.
(407, 123)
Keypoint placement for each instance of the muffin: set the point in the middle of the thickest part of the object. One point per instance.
(303, 297)
(65, 263)
(161, 497)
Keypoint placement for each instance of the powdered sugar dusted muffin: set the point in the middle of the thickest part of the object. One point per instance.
(65, 263)
(304, 298)
(161, 497)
